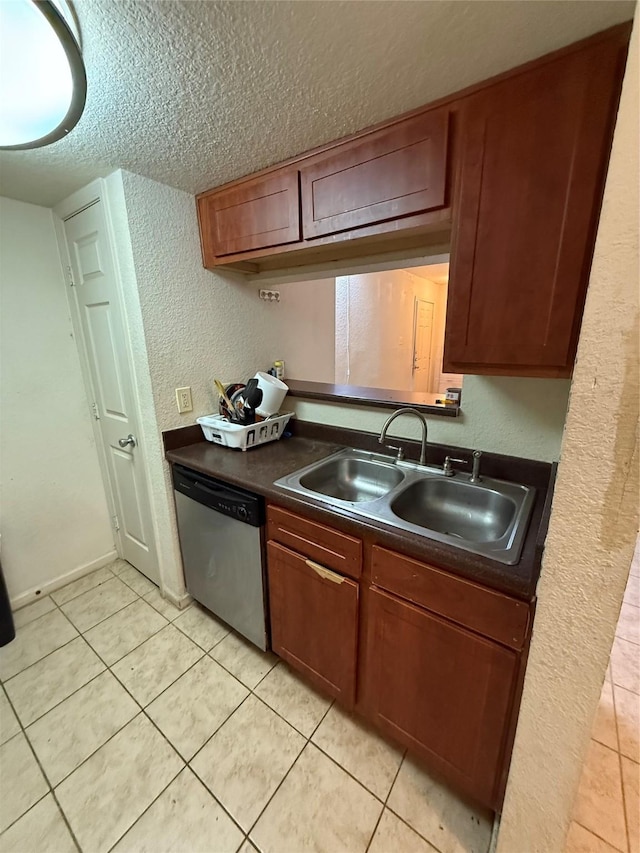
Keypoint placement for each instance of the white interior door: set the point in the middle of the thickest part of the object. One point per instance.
(422, 343)
(103, 333)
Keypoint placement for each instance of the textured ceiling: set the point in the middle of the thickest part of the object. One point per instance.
(194, 94)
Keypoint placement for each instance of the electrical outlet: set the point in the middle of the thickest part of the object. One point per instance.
(270, 295)
(183, 399)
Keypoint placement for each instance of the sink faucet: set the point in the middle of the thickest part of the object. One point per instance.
(421, 418)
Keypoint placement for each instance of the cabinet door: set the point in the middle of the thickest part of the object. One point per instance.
(253, 215)
(391, 174)
(314, 621)
(534, 152)
(444, 692)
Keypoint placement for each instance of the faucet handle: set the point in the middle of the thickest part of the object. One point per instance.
(400, 455)
(447, 467)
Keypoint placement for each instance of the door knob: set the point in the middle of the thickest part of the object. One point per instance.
(123, 442)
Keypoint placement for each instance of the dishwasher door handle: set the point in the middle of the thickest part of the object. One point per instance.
(324, 573)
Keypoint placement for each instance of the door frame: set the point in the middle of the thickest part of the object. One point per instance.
(76, 203)
(430, 377)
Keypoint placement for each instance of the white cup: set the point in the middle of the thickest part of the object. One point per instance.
(273, 393)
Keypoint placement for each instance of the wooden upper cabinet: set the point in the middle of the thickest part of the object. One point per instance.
(255, 214)
(533, 156)
(387, 175)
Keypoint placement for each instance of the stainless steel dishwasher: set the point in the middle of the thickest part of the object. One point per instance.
(221, 538)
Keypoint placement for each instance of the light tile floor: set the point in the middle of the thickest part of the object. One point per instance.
(129, 725)
(606, 817)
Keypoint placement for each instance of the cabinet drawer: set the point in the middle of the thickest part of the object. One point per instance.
(314, 620)
(490, 613)
(323, 544)
(255, 215)
(392, 173)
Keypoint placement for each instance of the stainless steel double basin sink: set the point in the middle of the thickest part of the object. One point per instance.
(489, 518)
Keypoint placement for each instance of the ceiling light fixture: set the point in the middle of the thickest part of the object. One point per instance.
(43, 84)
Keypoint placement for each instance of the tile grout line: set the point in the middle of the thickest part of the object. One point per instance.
(599, 837)
(308, 741)
(107, 669)
(620, 770)
(44, 776)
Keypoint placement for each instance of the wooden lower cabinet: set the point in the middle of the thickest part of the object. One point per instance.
(314, 621)
(432, 660)
(443, 691)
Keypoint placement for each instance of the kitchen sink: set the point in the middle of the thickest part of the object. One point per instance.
(489, 518)
(457, 509)
(353, 479)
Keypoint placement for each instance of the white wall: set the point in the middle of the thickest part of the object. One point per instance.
(519, 417)
(55, 519)
(594, 520)
(188, 326)
(305, 323)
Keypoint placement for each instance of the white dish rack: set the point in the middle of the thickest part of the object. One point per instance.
(221, 431)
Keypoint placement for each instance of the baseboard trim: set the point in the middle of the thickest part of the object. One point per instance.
(37, 592)
(179, 601)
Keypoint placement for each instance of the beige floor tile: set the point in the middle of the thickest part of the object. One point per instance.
(628, 716)
(84, 584)
(632, 592)
(201, 626)
(119, 566)
(125, 630)
(27, 784)
(137, 581)
(629, 623)
(97, 604)
(105, 796)
(580, 840)
(45, 684)
(163, 605)
(599, 807)
(394, 836)
(244, 660)
(9, 725)
(34, 641)
(301, 705)
(196, 705)
(631, 786)
(362, 752)
(76, 728)
(33, 611)
(184, 819)
(438, 814)
(245, 761)
(317, 808)
(41, 830)
(604, 726)
(625, 665)
(157, 663)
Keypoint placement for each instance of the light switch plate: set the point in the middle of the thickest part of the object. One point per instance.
(183, 399)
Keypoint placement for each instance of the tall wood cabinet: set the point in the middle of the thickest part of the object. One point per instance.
(533, 155)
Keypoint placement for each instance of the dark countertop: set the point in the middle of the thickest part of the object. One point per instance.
(258, 468)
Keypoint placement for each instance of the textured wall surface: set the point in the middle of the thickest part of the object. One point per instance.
(304, 322)
(593, 523)
(54, 511)
(194, 94)
(519, 417)
(186, 324)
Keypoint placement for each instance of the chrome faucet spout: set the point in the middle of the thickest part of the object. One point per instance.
(423, 422)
